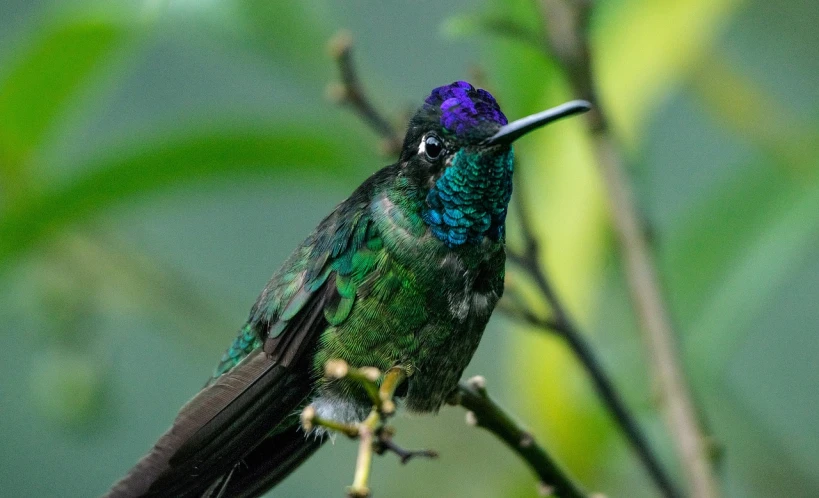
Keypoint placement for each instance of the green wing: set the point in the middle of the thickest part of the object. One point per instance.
(265, 375)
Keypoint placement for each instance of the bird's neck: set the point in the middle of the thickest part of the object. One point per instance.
(469, 201)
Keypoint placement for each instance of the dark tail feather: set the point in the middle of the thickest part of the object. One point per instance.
(269, 463)
(215, 430)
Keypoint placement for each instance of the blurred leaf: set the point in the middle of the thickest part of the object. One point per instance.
(123, 279)
(68, 387)
(41, 83)
(645, 46)
(718, 232)
(167, 162)
(764, 246)
(502, 26)
(736, 102)
(275, 26)
(461, 26)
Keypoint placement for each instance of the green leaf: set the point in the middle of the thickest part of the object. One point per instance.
(166, 162)
(754, 279)
(295, 33)
(643, 48)
(738, 103)
(738, 247)
(500, 26)
(42, 82)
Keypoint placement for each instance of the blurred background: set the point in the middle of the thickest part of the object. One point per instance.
(159, 159)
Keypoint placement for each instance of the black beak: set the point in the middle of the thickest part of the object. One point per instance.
(516, 129)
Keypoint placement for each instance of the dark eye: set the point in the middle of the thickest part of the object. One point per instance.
(433, 147)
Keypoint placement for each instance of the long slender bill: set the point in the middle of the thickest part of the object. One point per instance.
(522, 126)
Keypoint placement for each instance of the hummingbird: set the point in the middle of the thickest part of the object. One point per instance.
(405, 272)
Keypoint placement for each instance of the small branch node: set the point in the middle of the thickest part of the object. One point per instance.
(544, 489)
(478, 383)
(493, 418)
(336, 369)
(340, 44)
(371, 374)
(307, 416)
(388, 407)
(358, 492)
(526, 440)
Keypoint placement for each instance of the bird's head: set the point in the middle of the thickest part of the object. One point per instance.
(458, 150)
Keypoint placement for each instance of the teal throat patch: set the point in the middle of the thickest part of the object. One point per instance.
(470, 199)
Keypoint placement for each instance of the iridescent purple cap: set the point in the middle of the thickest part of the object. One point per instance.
(463, 107)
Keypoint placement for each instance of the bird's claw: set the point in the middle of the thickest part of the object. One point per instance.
(385, 443)
(373, 433)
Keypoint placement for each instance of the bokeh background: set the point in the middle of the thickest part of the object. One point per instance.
(159, 159)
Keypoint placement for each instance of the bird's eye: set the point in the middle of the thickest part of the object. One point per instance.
(433, 147)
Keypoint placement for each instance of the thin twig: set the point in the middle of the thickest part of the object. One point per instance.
(566, 24)
(484, 412)
(529, 261)
(350, 92)
(364, 462)
(374, 436)
(562, 323)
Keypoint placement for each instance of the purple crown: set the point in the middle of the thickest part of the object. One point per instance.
(463, 107)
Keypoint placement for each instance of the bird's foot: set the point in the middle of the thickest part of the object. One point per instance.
(373, 434)
(384, 444)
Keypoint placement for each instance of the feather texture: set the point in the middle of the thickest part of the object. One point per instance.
(223, 399)
(406, 271)
(265, 375)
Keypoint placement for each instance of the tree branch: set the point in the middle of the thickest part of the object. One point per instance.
(566, 24)
(484, 412)
(562, 323)
(374, 436)
(350, 92)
